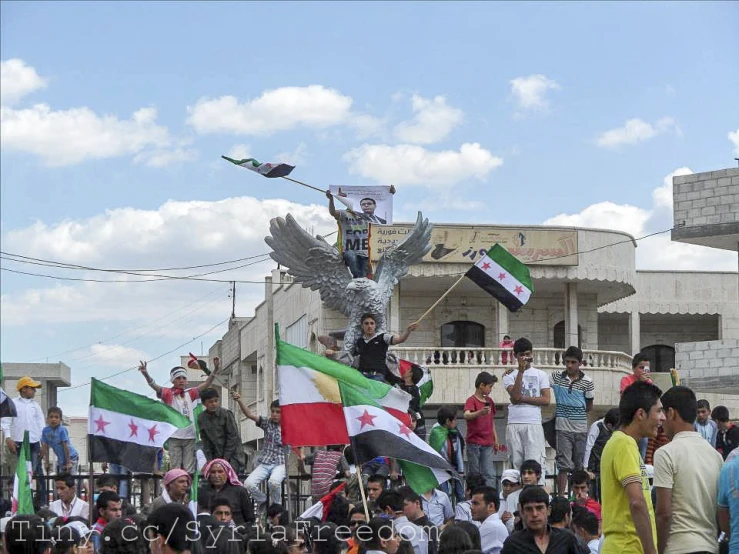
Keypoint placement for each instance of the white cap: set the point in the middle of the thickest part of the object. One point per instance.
(511, 475)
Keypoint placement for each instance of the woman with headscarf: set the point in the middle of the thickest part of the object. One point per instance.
(222, 480)
(176, 487)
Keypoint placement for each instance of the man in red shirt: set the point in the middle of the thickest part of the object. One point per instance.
(482, 440)
(640, 369)
(580, 486)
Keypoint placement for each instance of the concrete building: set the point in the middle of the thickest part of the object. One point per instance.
(588, 292)
(706, 212)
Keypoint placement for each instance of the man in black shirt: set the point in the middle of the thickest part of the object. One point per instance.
(538, 536)
(372, 348)
(727, 438)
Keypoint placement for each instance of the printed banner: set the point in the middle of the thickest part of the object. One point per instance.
(371, 203)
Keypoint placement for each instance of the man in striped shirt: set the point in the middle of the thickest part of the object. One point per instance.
(574, 392)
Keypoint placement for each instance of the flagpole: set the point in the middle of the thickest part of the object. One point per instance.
(427, 312)
(361, 491)
(304, 184)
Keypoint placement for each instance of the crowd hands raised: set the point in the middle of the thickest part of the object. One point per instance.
(648, 477)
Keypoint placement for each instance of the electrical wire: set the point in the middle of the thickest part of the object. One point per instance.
(67, 389)
(132, 329)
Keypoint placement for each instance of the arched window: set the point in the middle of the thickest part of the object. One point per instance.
(559, 336)
(463, 334)
(661, 357)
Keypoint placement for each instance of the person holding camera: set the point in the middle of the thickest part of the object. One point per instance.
(529, 390)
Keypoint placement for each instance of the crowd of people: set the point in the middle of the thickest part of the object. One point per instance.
(657, 474)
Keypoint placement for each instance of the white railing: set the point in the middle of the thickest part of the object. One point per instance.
(544, 358)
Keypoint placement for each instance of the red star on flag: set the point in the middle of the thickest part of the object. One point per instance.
(405, 430)
(501, 276)
(518, 290)
(134, 429)
(101, 423)
(486, 265)
(153, 433)
(366, 419)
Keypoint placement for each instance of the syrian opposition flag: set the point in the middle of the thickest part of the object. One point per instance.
(375, 432)
(321, 508)
(22, 503)
(127, 428)
(425, 384)
(499, 273)
(310, 397)
(266, 169)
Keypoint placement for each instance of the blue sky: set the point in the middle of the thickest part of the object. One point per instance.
(520, 113)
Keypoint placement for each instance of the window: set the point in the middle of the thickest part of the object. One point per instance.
(463, 333)
(661, 357)
(297, 333)
(559, 336)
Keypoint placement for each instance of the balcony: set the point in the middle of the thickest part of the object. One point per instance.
(454, 370)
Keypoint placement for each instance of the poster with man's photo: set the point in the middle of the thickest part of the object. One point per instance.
(371, 203)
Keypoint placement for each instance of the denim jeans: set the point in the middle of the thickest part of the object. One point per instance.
(38, 472)
(358, 264)
(276, 475)
(121, 472)
(480, 460)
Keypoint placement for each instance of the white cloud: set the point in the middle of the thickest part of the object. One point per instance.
(635, 131)
(240, 152)
(407, 164)
(111, 355)
(17, 80)
(296, 157)
(530, 92)
(432, 122)
(275, 110)
(67, 137)
(656, 252)
(734, 138)
(163, 158)
(175, 234)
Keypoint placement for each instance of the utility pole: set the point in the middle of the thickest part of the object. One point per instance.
(233, 299)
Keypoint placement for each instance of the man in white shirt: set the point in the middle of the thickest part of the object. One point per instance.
(510, 482)
(68, 505)
(30, 418)
(462, 511)
(686, 475)
(493, 533)
(437, 506)
(529, 390)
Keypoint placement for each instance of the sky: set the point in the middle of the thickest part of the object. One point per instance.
(115, 114)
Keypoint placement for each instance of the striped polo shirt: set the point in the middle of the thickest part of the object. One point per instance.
(571, 397)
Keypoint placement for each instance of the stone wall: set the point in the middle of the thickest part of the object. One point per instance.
(706, 198)
(709, 365)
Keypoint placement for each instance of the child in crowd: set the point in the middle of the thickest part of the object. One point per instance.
(507, 355)
(704, 424)
(580, 488)
(447, 441)
(219, 432)
(479, 412)
(56, 437)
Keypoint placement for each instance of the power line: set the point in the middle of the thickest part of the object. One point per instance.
(132, 329)
(149, 361)
(69, 265)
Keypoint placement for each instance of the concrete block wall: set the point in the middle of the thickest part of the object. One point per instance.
(709, 365)
(706, 198)
(671, 329)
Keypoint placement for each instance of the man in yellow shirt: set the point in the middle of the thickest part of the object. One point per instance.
(628, 515)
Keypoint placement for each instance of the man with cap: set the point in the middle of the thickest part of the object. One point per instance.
(510, 484)
(182, 442)
(176, 486)
(30, 418)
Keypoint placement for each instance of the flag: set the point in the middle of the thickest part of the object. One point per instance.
(500, 274)
(438, 436)
(22, 503)
(266, 169)
(321, 508)
(127, 428)
(310, 398)
(425, 384)
(375, 432)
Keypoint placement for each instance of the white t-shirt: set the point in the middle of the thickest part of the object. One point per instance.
(534, 381)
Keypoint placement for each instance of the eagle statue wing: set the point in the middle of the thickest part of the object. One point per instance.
(312, 261)
(397, 259)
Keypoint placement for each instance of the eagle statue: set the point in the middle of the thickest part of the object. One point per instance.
(318, 265)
